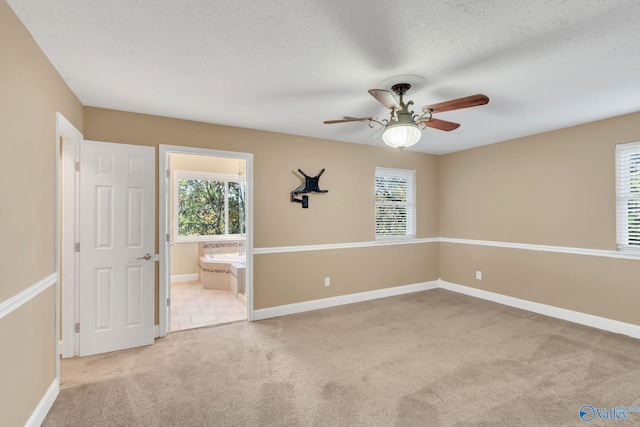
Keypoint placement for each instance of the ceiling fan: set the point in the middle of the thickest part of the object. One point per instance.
(403, 128)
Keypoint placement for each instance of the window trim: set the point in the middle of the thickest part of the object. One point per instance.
(624, 194)
(411, 224)
(210, 176)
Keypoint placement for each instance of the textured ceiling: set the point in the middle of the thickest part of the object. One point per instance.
(288, 65)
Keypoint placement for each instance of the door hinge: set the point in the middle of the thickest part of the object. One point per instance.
(77, 327)
(77, 246)
(168, 173)
(168, 237)
(77, 166)
(168, 302)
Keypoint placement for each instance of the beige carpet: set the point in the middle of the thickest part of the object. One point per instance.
(426, 359)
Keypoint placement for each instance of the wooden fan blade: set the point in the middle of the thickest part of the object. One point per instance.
(442, 124)
(457, 104)
(348, 119)
(385, 98)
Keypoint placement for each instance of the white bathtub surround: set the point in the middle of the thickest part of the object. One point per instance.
(221, 247)
(220, 271)
(238, 280)
(215, 275)
(226, 257)
(222, 265)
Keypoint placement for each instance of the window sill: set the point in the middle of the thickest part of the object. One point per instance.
(396, 239)
(403, 240)
(630, 252)
(197, 239)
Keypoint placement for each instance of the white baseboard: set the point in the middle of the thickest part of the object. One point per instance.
(548, 310)
(38, 415)
(300, 307)
(185, 277)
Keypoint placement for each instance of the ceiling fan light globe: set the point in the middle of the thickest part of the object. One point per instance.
(401, 135)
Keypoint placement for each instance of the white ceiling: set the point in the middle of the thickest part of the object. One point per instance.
(288, 65)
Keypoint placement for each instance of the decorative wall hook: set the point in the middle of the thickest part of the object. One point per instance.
(311, 185)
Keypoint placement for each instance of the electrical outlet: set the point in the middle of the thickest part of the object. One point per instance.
(327, 281)
(478, 275)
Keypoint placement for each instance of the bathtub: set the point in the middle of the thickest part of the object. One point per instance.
(224, 271)
(238, 257)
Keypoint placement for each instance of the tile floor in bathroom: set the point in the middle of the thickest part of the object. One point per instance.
(192, 306)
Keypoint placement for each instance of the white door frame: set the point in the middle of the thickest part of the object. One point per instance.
(67, 214)
(164, 245)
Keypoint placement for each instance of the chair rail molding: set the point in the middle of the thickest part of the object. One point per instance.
(16, 301)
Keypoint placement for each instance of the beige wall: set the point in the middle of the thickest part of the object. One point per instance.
(556, 189)
(184, 255)
(600, 286)
(345, 214)
(184, 258)
(550, 189)
(299, 276)
(31, 93)
(28, 358)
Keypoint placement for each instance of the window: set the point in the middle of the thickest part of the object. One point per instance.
(628, 196)
(207, 206)
(395, 203)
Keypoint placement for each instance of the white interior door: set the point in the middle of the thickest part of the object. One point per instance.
(117, 202)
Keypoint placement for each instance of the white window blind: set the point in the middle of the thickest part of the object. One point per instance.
(628, 196)
(395, 203)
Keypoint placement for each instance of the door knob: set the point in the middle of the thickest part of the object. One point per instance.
(146, 257)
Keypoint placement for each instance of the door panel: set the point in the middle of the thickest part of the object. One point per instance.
(117, 191)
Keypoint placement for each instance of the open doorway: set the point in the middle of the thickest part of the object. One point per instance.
(205, 205)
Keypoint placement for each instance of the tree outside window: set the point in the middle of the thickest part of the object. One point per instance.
(208, 205)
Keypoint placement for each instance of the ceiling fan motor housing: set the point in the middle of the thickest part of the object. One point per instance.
(401, 88)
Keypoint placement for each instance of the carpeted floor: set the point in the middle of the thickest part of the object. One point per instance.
(434, 358)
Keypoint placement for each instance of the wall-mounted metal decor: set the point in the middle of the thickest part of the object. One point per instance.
(311, 185)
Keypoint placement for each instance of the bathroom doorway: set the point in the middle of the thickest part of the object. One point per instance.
(205, 198)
